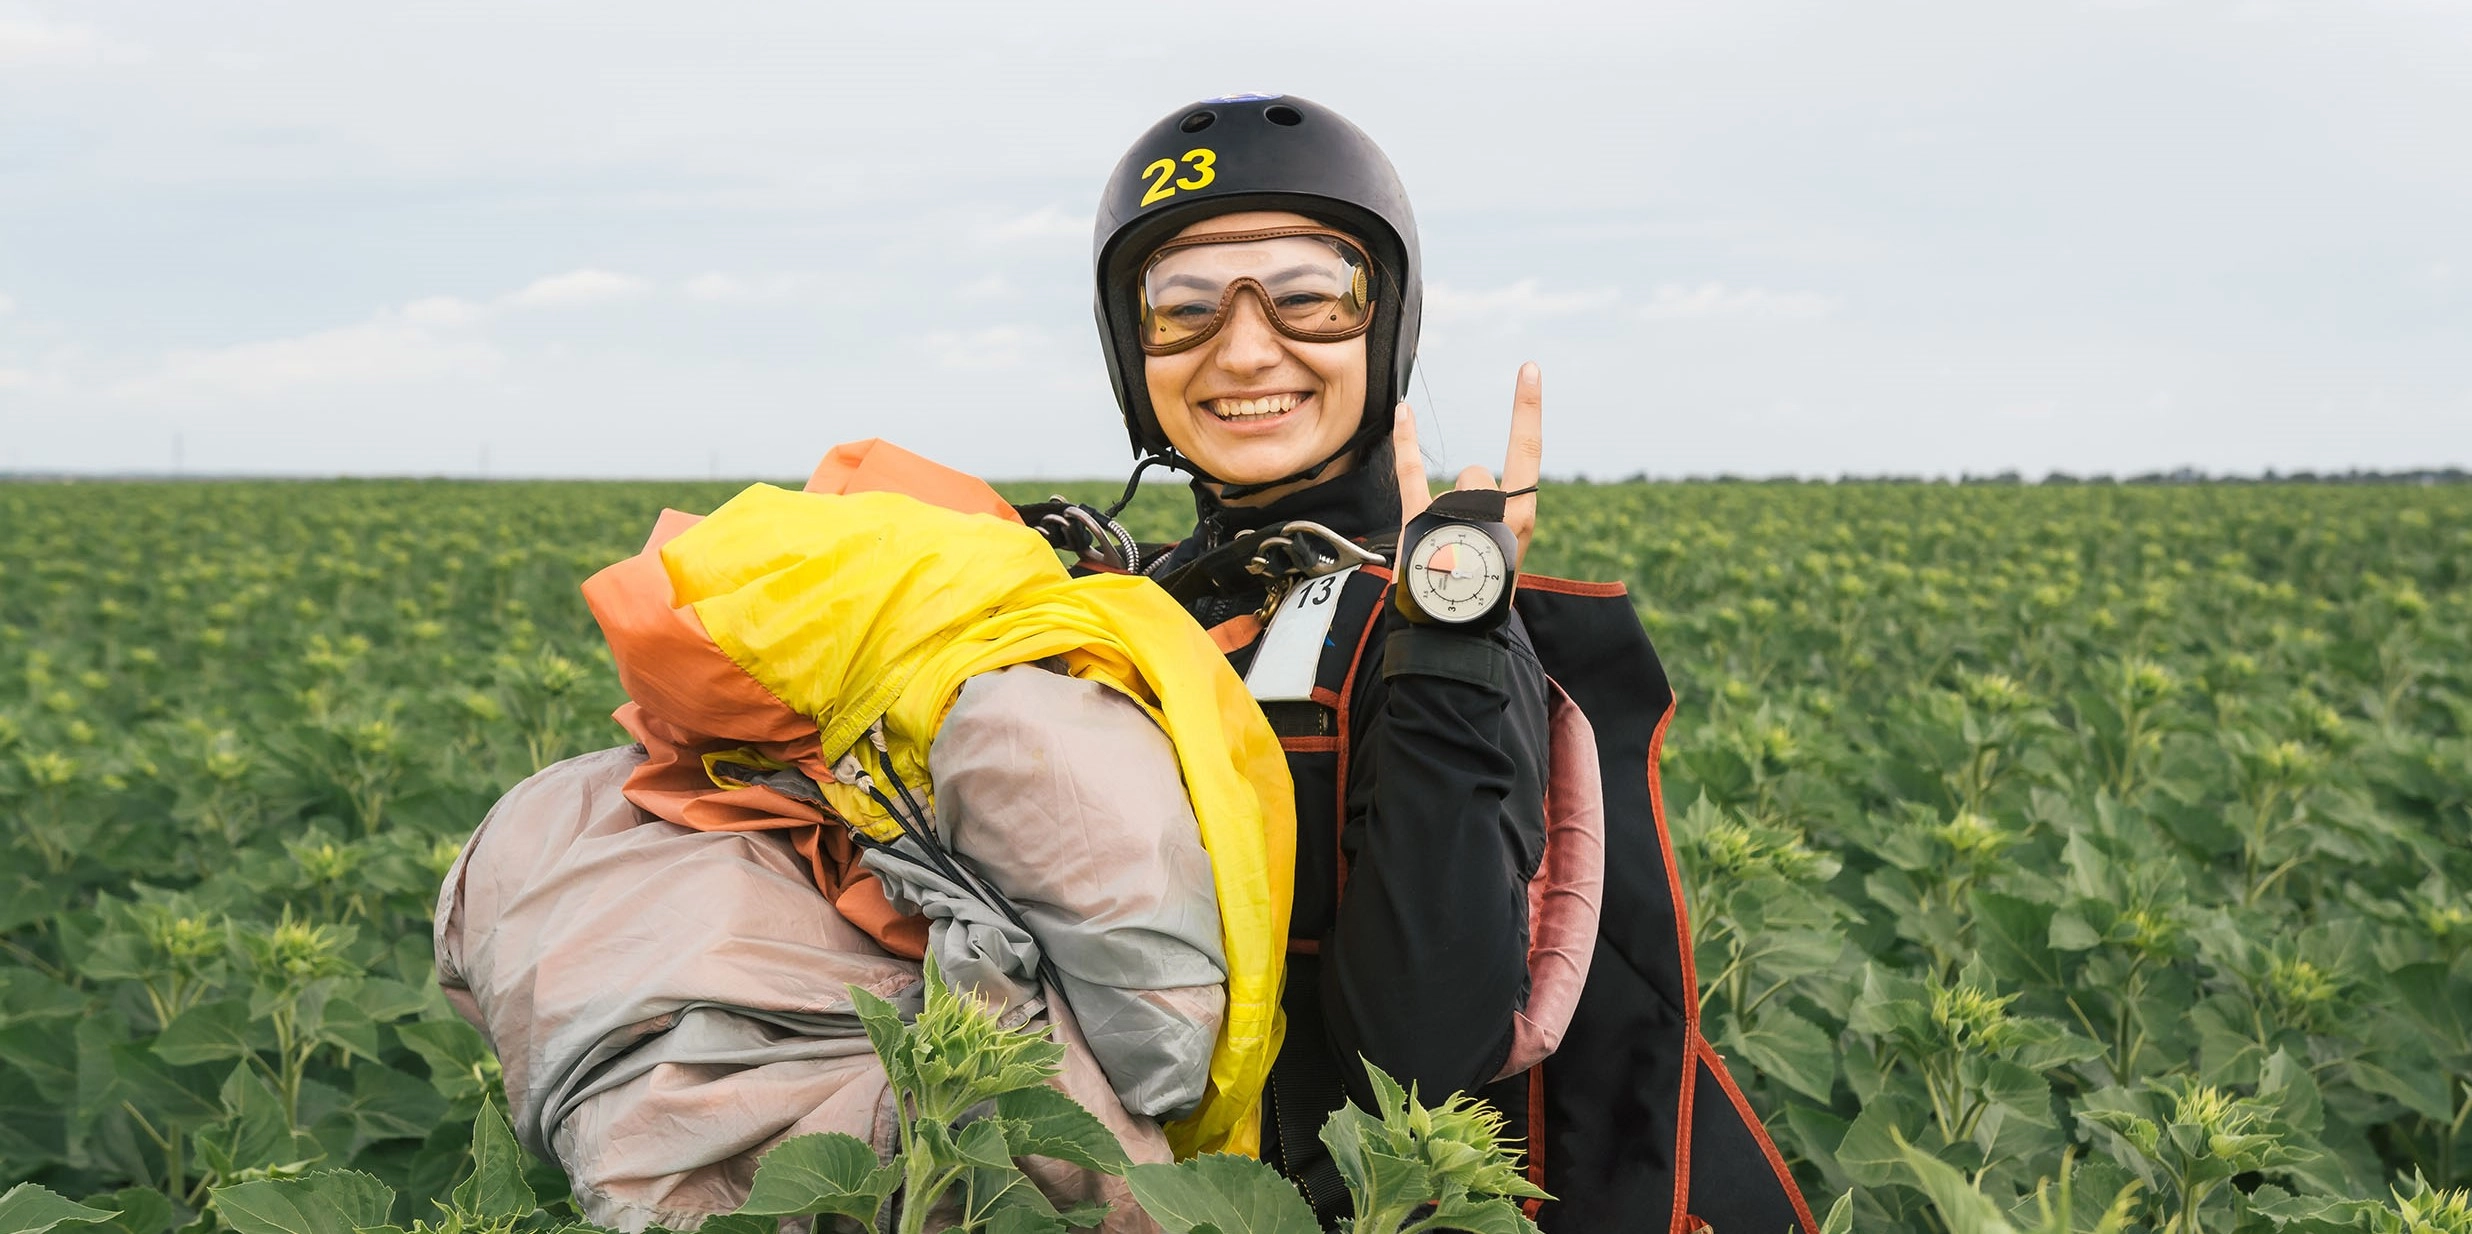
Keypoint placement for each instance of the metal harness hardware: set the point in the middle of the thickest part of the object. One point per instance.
(1271, 557)
(1299, 550)
(1306, 549)
(1085, 532)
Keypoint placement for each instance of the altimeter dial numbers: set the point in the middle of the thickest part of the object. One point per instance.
(1456, 573)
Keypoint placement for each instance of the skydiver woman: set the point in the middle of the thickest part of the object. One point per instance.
(1258, 298)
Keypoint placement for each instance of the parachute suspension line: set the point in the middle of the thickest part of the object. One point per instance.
(914, 824)
(1441, 440)
(884, 759)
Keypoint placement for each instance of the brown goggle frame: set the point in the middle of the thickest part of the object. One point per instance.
(1270, 310)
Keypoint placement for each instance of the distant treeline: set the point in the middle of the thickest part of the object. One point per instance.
(2185, 475)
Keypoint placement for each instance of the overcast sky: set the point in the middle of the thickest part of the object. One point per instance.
(620, 238)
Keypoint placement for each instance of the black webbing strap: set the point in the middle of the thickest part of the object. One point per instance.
(1304, 1089)
(1458, 657)
(1477, 505)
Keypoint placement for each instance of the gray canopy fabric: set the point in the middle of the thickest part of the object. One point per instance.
(667, 1003)
(1064, 796)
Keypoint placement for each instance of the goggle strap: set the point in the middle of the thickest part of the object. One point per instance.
(1268, 233)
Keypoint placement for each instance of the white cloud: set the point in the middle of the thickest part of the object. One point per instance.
(1039, 224)
(31, 41)
(16, 379)
(7, 305)
(442, 312)
(715, 287)
(574, 289)
(993, 287)
(420, 340)
(1513, 306)
(377, 353)
(991, 348)
(577, 288)
(1678, 302)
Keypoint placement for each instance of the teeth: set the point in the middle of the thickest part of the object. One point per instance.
(1254, 408)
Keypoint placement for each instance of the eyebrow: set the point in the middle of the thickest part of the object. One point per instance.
(1203, 284)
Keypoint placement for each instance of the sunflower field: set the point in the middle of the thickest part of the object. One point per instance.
(2061, 857)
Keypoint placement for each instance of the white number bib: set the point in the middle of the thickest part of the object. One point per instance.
(1291, 649)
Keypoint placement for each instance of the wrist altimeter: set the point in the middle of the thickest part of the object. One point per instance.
(1457, 562)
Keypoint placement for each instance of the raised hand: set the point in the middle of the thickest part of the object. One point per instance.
(1521, 463)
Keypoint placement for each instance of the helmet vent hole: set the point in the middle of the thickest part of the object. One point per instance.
(1283, 115)
(1197, 121)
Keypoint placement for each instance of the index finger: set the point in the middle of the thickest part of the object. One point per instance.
(1526, 459)
(1408, 465)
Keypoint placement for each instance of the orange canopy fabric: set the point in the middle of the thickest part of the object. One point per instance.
(879, 466)
(689, 699)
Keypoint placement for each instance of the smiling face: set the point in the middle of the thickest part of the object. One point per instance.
(1251, 404)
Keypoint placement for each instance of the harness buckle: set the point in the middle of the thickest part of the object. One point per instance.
(1088, 534)
(1306, 549)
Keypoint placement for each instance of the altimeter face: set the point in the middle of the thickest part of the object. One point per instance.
(1455, 573)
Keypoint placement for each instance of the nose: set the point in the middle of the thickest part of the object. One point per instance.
(1246, 341)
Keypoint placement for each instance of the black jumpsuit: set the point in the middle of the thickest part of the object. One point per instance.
(1421, 965)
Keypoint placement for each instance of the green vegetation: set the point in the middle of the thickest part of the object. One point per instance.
(972, 1097)
(945, 1068)
(2060, 857)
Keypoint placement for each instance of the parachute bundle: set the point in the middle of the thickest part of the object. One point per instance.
(831, 631)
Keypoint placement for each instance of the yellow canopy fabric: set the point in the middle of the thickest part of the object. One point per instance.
(860, 607)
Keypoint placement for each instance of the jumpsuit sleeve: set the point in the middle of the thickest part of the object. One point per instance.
(1426, 965)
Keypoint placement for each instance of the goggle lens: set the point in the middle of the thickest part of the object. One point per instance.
(1313, 284)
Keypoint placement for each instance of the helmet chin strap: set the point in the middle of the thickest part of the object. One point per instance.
(1238, 492)
(1174, 460)
(1133, 483)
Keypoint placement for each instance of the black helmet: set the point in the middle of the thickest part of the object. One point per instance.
(1256, 152)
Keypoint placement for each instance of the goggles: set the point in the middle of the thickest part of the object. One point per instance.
(1315, 285)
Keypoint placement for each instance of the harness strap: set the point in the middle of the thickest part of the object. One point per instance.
(1308, 1080)
(1301, 1090)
